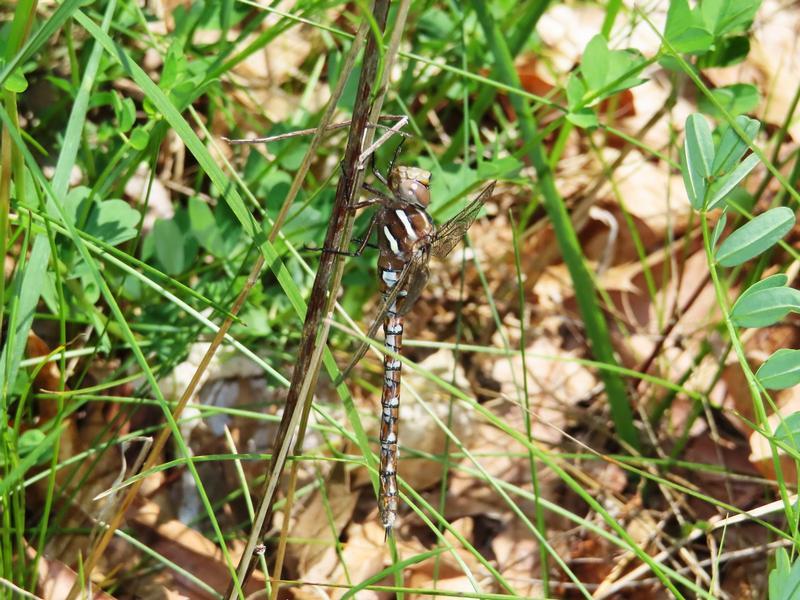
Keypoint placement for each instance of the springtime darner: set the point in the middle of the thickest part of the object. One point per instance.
(407, 238)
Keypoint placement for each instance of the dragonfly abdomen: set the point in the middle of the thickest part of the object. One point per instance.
(390, 406)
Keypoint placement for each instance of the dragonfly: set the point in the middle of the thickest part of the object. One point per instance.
(407, 239)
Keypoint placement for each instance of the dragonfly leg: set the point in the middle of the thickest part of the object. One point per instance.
(379, 196)
(355, 254)
(378, 175)
(367, 235)
(363, 243)
(368, 244)
(396, 152)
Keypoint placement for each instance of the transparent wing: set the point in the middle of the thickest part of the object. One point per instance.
(450, 234)
(415, 270)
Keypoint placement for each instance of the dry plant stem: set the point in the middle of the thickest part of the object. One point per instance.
(314, 336)
(5, 583)
(314, 130)
(395, 129)
(355, 49)
(324, 124)
(163, 436)
(715, 524)
(389, 59)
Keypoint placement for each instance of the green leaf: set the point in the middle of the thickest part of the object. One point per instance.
(698, 156)
(576, 90)
(773, 281)
(624, 67)
(113, 221)
(174, 68)
(731, 147)
(595, 62)
(755, 237)
(127, 115)
(16, 82)
(435, 24)
(124, 109)
(764, 307)
(684, 30)
(726, 52)
(585, 118)
(175, 247)
(719, 227)
(788, 430)
(724, 185)
(217, 231)
(139, 138)
(24, 288)
(784, 579)
(735, 99)
(607, 72)
(30, 441)
(781, 370)
(728, 16)
(89, 292)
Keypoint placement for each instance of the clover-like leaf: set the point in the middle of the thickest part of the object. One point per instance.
(755, 237)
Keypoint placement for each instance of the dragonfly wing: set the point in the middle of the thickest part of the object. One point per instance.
(417, 278)
(450, 234)
(415, 270)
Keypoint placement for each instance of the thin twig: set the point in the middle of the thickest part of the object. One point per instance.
(313, 130)
(300, 426)
(314, 335)
(395, 129)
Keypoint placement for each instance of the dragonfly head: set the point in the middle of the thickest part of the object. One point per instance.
(410, 184)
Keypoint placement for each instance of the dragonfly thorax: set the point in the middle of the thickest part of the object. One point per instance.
(402, 232)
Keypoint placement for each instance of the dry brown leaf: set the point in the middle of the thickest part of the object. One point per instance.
(315, 550)
(189, 549)
(55, 579)
(363, 555)
(420, 431)
(500, 456)
(517, 554)
(655, 195)
(442, 572)
(83, 482)
(553, 386)
(729, 453)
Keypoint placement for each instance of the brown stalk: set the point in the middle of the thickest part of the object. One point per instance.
(391, 55)
(113, 524)
(315, 330)
(313, 130)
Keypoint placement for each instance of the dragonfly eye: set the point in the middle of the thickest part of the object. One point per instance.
(410, 184)
(414, 192)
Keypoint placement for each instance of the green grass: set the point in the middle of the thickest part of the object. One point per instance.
(104, 92)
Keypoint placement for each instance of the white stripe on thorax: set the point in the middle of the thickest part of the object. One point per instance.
(392, 242)
(406, 222)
